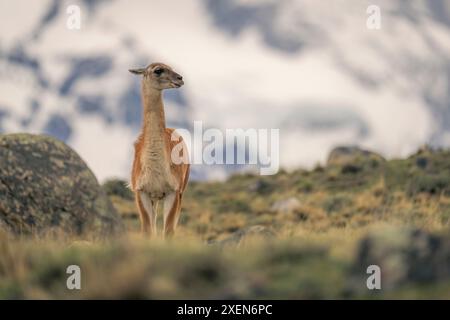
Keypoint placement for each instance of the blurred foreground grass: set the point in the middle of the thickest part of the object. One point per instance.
(303, 234)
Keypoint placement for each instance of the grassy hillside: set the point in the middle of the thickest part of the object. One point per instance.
(301, 234)
(343, 197)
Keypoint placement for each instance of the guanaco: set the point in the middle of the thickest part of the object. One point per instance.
(155, 176)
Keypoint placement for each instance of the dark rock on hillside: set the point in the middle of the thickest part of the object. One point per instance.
(45, 186)
(261, 187)
(404, 257)
(349, 155)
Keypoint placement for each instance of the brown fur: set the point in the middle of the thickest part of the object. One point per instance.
(181, 170)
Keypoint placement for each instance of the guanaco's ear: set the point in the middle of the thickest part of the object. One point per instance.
(137, 71)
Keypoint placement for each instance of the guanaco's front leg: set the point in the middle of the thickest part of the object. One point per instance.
(147, 210)
(172, 206)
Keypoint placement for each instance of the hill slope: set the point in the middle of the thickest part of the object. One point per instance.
(307, 234)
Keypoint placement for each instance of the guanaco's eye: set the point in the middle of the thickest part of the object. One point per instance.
(158, 71)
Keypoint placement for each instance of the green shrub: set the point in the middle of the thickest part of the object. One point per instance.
(429, 183)
(117, 187)
(305, 186)
(232, 205)
(262, 187)
(336, 203)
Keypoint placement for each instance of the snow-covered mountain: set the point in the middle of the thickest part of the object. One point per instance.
(311, 68)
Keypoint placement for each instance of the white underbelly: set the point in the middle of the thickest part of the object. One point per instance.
(157, 181)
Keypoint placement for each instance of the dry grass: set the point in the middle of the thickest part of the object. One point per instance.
(309, 251)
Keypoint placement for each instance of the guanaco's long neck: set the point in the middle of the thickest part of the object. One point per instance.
(154, 126)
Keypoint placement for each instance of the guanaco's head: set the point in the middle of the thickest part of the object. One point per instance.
(159, 76)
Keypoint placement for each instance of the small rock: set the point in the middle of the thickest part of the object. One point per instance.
(240, 236)
(288, 205)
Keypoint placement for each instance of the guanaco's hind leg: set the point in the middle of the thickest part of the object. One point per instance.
(172, 207)
(147, 212)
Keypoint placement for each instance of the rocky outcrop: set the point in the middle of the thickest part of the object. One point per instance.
(45, 186)
(345, 155)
